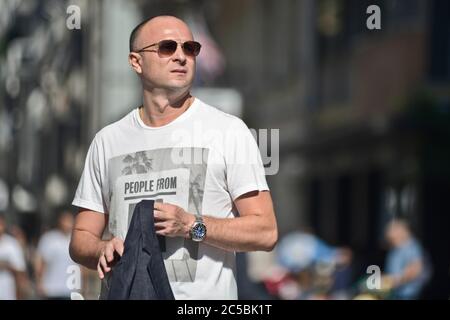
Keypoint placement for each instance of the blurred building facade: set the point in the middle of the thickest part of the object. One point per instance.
(43, 77)
(363, 116)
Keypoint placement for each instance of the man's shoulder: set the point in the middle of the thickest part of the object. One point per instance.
(114, 127)
(219, 117)
(9, 241)
(50, 235)
(414, 247)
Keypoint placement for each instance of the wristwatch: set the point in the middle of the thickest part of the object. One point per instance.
(198, 229)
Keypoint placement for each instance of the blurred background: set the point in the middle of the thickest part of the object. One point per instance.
(364, 140)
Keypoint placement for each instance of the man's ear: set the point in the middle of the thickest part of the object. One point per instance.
(134, 60)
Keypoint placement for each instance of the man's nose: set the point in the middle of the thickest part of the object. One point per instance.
(179, 54)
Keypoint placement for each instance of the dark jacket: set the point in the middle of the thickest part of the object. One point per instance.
(140, 273)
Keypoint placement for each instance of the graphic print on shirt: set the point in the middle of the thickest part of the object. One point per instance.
(154, 175)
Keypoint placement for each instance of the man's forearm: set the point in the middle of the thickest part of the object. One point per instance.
(85, 248)
(21, 284)
(254, 230)
(248, 233)
(5, 266)
(39, 268)
(411, 272)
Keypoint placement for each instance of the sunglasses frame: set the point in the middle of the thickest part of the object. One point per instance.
(182, 44)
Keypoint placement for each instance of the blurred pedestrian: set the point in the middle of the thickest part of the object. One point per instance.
(53, 260)
(407, 267)
(12, 265)
(321, 270)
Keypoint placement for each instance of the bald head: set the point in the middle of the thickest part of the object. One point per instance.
(155, 26)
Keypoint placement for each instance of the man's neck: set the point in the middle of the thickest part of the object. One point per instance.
(160, 109)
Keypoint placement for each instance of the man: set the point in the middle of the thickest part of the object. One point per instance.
(201, 166)
(12, 266)
(407, 268)
(52, 261)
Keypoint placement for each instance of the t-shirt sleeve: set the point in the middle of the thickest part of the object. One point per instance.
(17, 258)
(43, 248)
(89, 192)
(414, 253)
(244, 167)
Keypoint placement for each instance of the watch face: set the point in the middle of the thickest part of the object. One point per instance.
(198, 231)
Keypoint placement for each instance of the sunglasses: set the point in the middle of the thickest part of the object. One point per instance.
(166, 48)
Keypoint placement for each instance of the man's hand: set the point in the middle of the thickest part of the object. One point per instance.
(4, 265)
(171, 220)
(387, 282)
(40, 290)
(109, 255)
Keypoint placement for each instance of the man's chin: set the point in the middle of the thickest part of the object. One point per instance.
(178, 85)
(172, 86)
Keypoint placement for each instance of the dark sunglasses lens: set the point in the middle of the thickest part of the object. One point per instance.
(167, 47)
(191, 48)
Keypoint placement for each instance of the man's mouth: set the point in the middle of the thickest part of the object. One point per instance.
(179, 71)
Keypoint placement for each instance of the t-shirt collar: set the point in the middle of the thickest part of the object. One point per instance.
(180, 118)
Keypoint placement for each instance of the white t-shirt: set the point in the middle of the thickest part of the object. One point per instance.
(10, 252)
(202, 161)
(53, 247)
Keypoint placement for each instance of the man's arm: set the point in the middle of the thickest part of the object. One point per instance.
(86, 246)
(39, 267)
(22, 284)
(254, 229)
(20, 278)
(409, 273)
(4, 265)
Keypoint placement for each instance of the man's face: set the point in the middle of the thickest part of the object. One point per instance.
(396, 234)
(175, 72)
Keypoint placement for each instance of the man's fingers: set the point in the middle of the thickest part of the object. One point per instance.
(109, 253)
(162, 232)
(160, 225)
(101, 275)
(159, 215)
(159, 206)
(118, 246)
(104, 264)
